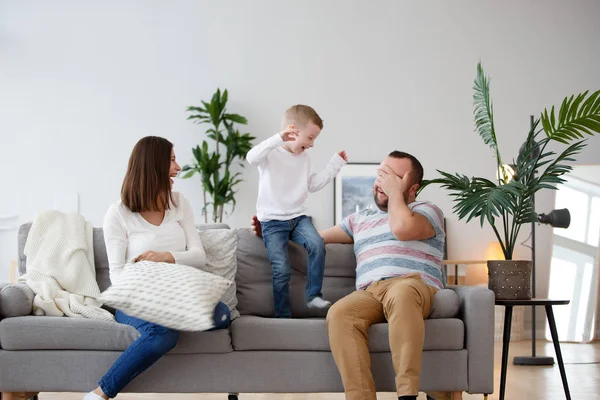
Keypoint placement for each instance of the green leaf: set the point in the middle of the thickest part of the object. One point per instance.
(236, 118)
(189, 174)
(577, 117)
(224, 99)
(197, 109)
(484, 112)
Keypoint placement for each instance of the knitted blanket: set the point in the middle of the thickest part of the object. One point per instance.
(60, 267)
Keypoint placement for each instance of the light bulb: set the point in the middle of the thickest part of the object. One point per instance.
(505, 173)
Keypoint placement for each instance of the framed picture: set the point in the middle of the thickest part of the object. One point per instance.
(353, 189)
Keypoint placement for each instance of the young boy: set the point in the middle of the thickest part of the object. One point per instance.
(284, 183)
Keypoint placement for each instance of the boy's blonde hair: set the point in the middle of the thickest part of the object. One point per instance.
(300, 115)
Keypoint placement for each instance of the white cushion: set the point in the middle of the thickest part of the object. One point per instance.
(220, 246)
(172, 295)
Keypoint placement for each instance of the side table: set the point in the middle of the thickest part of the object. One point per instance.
(547, 303)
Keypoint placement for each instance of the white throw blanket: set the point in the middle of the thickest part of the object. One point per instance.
(60, 267)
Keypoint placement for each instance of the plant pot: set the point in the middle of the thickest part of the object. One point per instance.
(510, 279)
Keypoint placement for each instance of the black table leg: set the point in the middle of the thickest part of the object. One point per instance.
(505, 342)
(561, 365)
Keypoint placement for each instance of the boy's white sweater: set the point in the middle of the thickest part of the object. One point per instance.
(285, 179)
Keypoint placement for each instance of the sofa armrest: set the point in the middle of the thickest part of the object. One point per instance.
(16, 300)
(477, 313)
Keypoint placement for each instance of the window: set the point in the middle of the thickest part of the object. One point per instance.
(593, 236)
(574, 264)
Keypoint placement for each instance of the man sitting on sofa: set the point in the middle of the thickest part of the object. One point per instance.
(399, 252)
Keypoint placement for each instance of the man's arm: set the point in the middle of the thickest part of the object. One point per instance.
(335, 234)
(405, 224)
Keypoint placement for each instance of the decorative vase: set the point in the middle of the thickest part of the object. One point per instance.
(510, 279)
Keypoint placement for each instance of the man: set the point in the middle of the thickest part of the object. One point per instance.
(399, 252)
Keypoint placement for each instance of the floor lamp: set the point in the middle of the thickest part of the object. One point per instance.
(557, 219)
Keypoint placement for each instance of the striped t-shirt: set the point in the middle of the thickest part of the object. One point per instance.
(379, 255)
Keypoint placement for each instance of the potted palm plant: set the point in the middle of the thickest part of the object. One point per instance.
(213, 163)
(507, 203)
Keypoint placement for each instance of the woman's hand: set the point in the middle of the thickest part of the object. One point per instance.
(156, 256)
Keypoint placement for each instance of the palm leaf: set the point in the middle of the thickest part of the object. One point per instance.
(484, 111)
(577, 117)
(529, 149)
(553, 173)
(526, 213)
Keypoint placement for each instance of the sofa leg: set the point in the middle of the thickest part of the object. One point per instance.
(456, 395)
(233, 396)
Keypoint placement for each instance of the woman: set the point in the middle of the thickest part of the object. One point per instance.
(149, 223)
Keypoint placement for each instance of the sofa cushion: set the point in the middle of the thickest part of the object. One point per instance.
(220, 246)
(175, 296)
(255, 333)
(63, 333)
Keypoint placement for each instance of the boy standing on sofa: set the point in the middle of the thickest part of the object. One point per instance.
(285, 179)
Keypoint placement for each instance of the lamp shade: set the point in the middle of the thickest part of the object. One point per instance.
(556, 218)
(494, 251)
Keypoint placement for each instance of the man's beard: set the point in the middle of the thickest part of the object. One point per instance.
(382, 204)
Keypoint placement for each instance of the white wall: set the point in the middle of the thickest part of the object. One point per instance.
(81, 82)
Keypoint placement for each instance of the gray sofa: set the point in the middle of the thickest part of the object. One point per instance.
(258, 354)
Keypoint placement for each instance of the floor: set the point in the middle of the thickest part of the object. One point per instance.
(582, 363)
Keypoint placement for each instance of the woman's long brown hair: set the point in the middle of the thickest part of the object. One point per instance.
(147, 186)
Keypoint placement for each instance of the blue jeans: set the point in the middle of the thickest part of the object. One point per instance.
(276, 235)
(155, 341)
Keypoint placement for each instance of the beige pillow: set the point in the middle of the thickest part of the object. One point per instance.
(220, 246)
(172, 295)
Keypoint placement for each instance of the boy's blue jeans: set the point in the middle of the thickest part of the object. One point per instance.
(276, 235)
(156, 340)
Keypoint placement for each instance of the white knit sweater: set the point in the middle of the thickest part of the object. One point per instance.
(127, 235)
